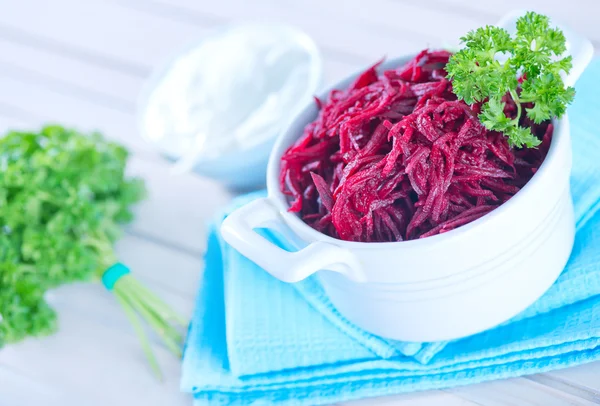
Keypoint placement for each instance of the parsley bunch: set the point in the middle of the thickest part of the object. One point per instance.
(491, 63)
(63, 197)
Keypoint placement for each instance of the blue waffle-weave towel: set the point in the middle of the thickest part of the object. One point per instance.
(255, 339)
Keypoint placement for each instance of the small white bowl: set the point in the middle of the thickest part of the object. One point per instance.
(437, 288)
(240, 168)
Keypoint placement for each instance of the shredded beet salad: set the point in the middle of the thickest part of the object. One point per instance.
(397, 157)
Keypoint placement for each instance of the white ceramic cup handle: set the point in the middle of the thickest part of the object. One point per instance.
(238, 230)
(579, 47)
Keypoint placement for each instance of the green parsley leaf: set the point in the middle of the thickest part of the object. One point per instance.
(492, 115)
(490, 63)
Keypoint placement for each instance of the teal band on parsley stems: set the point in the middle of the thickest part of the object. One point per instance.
(113, 274)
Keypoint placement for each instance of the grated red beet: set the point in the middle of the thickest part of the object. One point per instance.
(397, 157)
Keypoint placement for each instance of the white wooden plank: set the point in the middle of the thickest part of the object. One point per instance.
(82, 78)
(12, 123)
(414, 399)
(87, 363)
(69, 74)
(350, 40)
(520, 391)
(164, 267)
(397, 20)
(77, 72)
(582, 378)
(82, 25)
(52, 106)
(178, 207)
(129, 29)
(512, 392)
(92, 301)
(19, 389)
(108, 30)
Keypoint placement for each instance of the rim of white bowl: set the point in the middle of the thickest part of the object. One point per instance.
(282, 204)
(158, 73)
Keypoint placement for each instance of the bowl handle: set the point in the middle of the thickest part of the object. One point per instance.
(238, 230)
(579, 47)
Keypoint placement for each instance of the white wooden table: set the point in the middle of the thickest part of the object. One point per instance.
(82, 63)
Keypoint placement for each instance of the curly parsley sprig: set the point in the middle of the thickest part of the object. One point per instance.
(491, 62)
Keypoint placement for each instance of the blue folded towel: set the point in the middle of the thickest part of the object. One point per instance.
(255, 339)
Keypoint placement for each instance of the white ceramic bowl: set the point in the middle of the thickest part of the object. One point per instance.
(437, 288)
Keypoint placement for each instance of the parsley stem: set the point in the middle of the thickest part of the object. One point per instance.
(153, 311)
(515, 98)
(170, 337)
(155, 303)
(139, 330)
